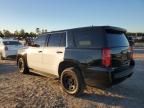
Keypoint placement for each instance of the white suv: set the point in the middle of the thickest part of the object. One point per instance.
(9, 47)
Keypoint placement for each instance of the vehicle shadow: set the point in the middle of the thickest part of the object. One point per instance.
(6, 61)
(107, 96)
(102, 98)
(7, 68)
(128, 92)
(34, 74)
(13, 58)
(49, 76)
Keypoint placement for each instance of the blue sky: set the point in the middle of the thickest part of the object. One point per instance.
(63, 14)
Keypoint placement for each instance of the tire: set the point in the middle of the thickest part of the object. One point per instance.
(132, 63)
(22, 66)
(72, 81)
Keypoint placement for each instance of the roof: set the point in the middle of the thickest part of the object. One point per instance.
(95, 27)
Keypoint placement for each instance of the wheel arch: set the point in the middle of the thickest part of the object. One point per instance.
(69, 63)
(24, 56)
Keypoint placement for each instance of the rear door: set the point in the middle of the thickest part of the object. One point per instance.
(53, 54)
(119, 46)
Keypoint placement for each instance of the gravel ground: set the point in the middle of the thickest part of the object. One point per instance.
(34, 91)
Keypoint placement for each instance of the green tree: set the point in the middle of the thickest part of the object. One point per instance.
(43, 31)
(46, 30)
(16, 33)
(38, 30)
(1, 34)
(22, 33)
(7, 33)
(32, 34)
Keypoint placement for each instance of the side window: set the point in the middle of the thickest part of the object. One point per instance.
(87, 39)
(63, 40)
(41, 40)
(57, 39)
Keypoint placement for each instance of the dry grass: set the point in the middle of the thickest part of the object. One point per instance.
(138, 56)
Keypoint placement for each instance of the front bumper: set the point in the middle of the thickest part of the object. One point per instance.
(104, 77)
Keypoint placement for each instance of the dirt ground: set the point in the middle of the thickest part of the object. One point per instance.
(34, 91)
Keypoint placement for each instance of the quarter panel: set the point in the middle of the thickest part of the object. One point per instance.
(86, 57)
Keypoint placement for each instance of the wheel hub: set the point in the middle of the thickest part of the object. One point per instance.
(69, 83)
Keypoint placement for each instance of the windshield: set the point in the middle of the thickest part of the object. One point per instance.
(115, 40)
(11, 43)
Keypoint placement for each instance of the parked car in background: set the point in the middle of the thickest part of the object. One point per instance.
(9, 48)
(97, 56)
(131, 40)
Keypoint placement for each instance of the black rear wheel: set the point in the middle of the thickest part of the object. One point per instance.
(72, 81)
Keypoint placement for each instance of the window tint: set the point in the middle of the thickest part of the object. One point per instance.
(12, 43)
(87, 39)
(115, 40)
(63, 40)
(41, 40)
(57, 39)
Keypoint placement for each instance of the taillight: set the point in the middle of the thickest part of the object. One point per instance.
(6, 48)
(106, 57)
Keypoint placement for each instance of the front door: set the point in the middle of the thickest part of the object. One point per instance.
(34, 54)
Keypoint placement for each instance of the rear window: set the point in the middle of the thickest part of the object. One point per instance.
(115, 40)
(87, 39)
(11, 43)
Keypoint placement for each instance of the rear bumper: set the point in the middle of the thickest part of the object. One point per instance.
(103, 77)
(10, 53)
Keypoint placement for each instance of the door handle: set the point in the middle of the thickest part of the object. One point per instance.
(58, 52)
(40, 51)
